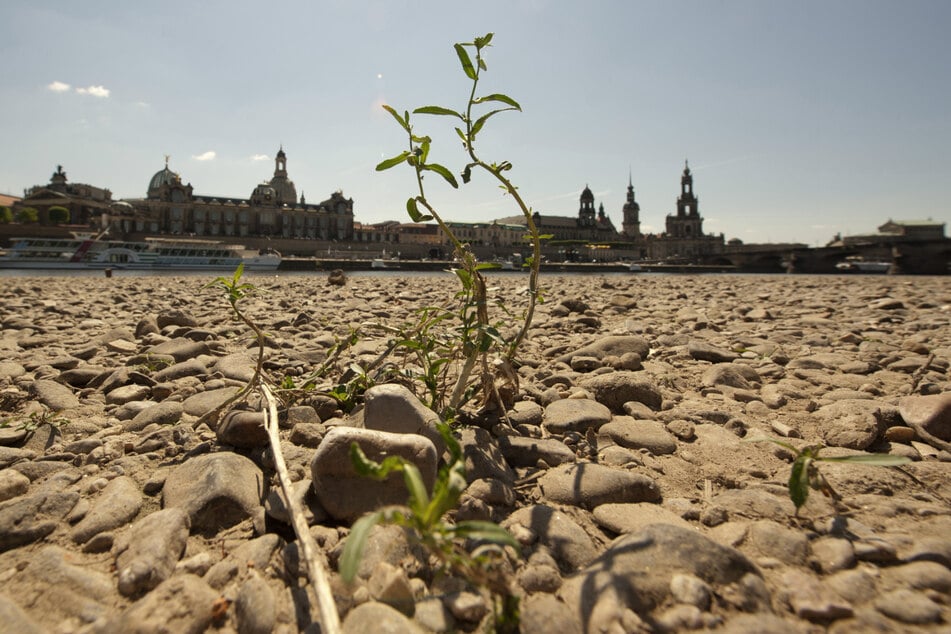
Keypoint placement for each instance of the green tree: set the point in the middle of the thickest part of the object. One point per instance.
(6, 216)
(27, 214)
(58, 215)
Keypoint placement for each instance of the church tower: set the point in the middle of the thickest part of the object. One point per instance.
(631, 226)
(586, 213)
(284, 190)
(687, 223)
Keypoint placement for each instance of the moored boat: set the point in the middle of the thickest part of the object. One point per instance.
(860, 265)
(89, 251)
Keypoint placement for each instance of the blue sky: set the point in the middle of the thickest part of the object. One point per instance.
(799, 119)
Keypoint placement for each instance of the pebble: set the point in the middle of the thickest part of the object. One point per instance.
(620, 467)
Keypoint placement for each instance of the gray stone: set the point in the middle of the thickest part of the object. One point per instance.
(28, 518)
(255, 553)
(703, 351)
(14, 619)
(12, 484)
(147, 553)
(805, 596)
(932, 412)
(217, 490)
(63, 586)
(772, 539)
(639, 434)
(831, 554)
(181, 604)
(614, 345)
(729, 375)
(545, 613)
(255, 607)
(393, 408)
(180, 349)
(908, 606)
(55, 396)
(921, 575)
(691, 590)
(754, 503)
(483, 458)
(245, 429)
(127, 394)
(575, 414)
(851, 423)
(378, 618)
(173, 317)
(389, 584)
(345, 494)
(568, 543)
(614, 389)
(116, 505)
(521, 451)
(189, 367)
(616, 580)
(164, 413)
(589, 485)
(204, 402)
(238, 366)
(630, 518)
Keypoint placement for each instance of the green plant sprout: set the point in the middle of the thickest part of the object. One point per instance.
(425, 517)
(478, 336)
(805, 472)
(35, 420)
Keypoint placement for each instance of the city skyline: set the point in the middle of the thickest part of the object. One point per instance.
(799, 122)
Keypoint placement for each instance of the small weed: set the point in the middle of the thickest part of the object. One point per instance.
(35, 420)
(805, 472)
(475, 336)
(425, 517)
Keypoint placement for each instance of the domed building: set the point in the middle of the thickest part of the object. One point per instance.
(273, 210)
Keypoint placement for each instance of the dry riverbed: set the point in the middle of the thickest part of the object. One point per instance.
(623, 470)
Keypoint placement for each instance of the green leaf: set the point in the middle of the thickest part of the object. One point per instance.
(442, 171)
(413, 210)
(484, 531)
(466, 62)
(481, 121)
(501, 98)
(482, 42)
(876, 459)
(439, 110)
(356, 543)
(484, 266)
(404, 123)
(418, 498)
(799, 481)
(391, 162)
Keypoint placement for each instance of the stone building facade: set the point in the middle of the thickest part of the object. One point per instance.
(272, 210)
(84, 203)
(684, 237)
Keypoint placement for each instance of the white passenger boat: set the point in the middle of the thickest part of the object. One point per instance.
(90, 251)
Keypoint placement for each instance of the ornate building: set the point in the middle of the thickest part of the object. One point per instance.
(272, 210)
(684, 237)
(631, 225)
(587, 226)
(83, 203)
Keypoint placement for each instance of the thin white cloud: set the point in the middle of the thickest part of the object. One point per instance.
(260, 157)
(58, 86)
(207, 156)
(95, 91)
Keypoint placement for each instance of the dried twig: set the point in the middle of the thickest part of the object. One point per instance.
(329, 619)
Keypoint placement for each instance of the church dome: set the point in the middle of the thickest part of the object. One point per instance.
(263, 194)
(284, 189)
(586, 195)
(163, 177)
